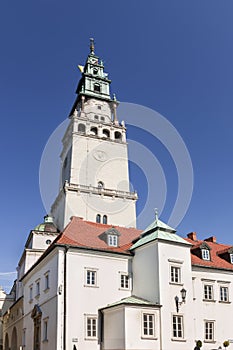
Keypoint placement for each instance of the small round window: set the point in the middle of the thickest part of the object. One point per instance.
(48, 241)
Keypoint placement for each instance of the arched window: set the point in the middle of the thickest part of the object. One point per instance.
(94, 131)
(95, 70)
(6, 342)
(14, 339)
(106, 133)
(98, 218)
(100, 184)
(118, 136)
(81, 128)
(105, 219)
(97, 87)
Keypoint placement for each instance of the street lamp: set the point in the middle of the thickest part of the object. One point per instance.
(183, 298)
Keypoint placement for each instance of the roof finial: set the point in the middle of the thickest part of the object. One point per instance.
(156, 214)
(92, 46)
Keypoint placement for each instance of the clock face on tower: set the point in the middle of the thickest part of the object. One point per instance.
(100, 155)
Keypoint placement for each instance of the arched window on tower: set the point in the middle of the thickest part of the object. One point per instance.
(97, 87)
(105, 219)
(106, 133)
(94, 131)
(81, 128)
(100, 184)
(118, 136)
(98, 218)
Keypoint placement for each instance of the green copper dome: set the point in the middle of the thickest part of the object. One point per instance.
(47, 225)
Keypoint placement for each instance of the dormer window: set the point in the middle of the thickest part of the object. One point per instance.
(112, 240)
(231, 258)
(205, 254)
(110, 237)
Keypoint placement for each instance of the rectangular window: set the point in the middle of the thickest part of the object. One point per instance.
(112, 240)
(224, 294)
(175, 274)
(148, 325)
(24, 337)
(91, 278)
(124, 281)
(45, 330)
(46, 281)
(231, 258)
(209, 331)
(91, 327)
(208, 292)
(37, 288)
(177, 327)
(30, 293)
(205, 254)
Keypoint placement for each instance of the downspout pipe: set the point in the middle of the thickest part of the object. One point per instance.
(65, 297)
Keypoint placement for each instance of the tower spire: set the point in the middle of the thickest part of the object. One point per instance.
(92, 46)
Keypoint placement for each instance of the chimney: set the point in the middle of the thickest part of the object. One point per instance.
(211, 239)
(192, 236)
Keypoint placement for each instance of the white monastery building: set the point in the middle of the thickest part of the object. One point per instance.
(88, 279)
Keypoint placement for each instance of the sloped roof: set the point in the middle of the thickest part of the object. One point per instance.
(81, 233)
(216, 249)
(158, 230)
(131, 300)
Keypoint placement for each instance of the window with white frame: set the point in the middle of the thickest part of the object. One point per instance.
(45, 329)
(91, 277)
(148, 325)
(46, 281)
(224, 294)
(208, 292)
(31, 293)
(24, 337)
(177, 327)
(205, 254)
(231, 258)
(37, 288)
(91, 327)
(112, 240)
(124, 281)
(209, 331)
(175, 274)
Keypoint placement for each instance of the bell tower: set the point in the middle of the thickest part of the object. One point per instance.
(94, 178)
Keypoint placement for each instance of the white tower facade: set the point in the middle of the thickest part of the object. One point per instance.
(94, 181)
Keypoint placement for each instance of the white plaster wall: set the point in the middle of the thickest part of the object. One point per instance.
(114, 329)
(119, 211)
(47, 301)
(221, 313)
(133, 326)
(123, 328)
(39, 240)
(87, 169)
(146, 272)
(83, 300)
(178, 255)
(151, 271)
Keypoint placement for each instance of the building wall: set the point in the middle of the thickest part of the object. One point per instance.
(47, 300)
(123, 328)
(13, 325)
(221, 313)
(83, 300)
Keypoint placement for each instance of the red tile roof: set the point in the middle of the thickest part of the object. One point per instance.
(81, 233)
(215, 249)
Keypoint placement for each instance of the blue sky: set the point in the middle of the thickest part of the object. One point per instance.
(172, 56)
